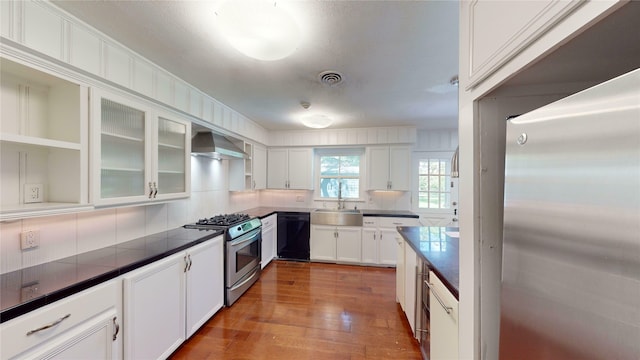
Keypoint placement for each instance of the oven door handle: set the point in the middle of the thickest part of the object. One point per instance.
(249, 237)
(245, 281)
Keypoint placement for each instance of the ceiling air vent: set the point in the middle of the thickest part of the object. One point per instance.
(330, 78)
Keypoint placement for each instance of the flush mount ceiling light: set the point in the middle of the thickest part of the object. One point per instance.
(259, 29)
(317, 121)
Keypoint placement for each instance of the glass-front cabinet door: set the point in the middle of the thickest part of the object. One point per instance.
(137, 154)
(173, 149)
(123, 150)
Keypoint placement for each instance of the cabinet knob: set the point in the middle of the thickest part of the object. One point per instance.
(150, 190)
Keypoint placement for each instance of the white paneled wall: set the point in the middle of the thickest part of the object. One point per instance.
(356, 136)
(437, 140)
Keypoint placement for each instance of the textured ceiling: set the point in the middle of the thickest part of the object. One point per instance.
(397, 58)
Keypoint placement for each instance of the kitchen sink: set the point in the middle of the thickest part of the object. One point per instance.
(343, 217)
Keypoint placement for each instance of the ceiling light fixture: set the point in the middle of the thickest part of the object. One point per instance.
(258, 28)
(317, 121)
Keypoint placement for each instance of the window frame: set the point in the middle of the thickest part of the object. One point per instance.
(340, 152)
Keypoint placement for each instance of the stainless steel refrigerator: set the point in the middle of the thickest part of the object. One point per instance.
(571, 245)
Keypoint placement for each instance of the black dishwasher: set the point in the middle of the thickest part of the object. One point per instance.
(293, 236)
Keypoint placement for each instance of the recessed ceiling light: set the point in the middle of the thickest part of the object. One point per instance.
(259, 29)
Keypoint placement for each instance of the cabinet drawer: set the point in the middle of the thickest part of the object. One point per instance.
(20, 334)
(397, 221)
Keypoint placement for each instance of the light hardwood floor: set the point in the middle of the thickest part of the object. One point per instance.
(309, 311)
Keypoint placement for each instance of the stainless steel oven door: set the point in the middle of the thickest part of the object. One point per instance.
(243, 254)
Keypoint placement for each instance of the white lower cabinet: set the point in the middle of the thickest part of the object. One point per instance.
(336, 243)
(444, 320)
(379, 238)
(269, 240)
(167, 301)
(83, 326)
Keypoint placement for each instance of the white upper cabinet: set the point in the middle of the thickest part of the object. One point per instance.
(488, 45)
(290, 169)
(251, 173)
(259, 167)
(138, 154)
(389, 168)
(43, 142)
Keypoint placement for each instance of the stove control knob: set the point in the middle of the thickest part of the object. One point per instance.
(239, 228)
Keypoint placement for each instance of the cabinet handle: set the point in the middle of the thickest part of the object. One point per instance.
(155, 190)
(117, 328)
(448, 309)
(374, 236)
(190, 262)
(45, 327)
(150, 190)
(254, 184)
(186, 264)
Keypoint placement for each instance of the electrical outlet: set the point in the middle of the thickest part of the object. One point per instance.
(29, 239)
(33, 193)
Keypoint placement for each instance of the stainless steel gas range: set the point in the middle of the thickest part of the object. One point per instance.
(243, 250)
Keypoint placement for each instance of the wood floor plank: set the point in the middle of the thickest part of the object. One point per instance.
(309, 311)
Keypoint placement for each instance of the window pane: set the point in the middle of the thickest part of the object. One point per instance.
(434, 166)
(434, 200)
(423, 183)
(423, 167)
(423, 200)
(350, 165)
(443, 183)
(329, 187)
(444, 200)
(434, 183)
(329, 165)
(350, 188)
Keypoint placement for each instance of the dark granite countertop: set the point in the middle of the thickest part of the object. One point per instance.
(58, 279)
(438, 249)
(263, 212)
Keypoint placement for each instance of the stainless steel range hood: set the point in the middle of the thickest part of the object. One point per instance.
(216, 146)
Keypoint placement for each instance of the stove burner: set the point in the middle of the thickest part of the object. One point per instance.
(224, 220)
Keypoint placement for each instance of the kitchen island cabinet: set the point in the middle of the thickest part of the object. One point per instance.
(83, 326)
(140, 154)
(444, 320)
(186, 288)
